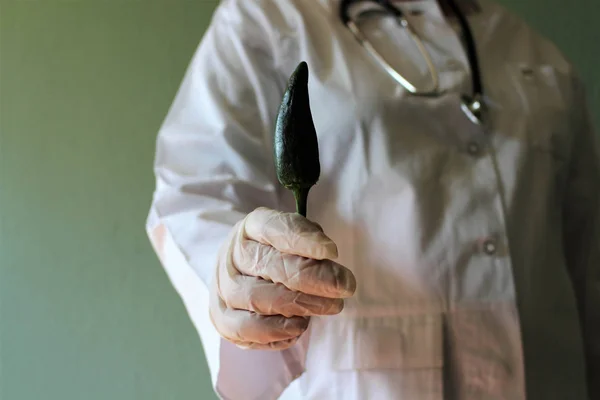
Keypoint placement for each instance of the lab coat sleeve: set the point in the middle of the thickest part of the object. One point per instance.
(213, 165)
(582, 233)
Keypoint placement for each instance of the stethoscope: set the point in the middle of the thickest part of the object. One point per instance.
(472, 105)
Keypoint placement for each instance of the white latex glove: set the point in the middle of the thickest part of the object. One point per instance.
(273, 272)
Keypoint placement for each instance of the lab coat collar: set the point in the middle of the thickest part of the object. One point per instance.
(468, 7)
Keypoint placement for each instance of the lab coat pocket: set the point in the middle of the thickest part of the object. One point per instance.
(401, 355)
(405, 342)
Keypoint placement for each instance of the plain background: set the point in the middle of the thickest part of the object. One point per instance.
(86, 312)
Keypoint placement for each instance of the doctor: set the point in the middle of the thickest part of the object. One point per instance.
(451, 248)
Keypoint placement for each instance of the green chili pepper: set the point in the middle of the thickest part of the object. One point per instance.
(296, 147)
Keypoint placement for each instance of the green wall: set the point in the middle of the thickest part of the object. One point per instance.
(86, 312)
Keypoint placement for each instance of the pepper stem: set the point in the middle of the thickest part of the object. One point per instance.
(301, 196)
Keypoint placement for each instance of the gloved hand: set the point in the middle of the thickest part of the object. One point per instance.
(273, 272)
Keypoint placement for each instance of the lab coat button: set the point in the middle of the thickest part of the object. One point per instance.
(489, 247)
(474, 148)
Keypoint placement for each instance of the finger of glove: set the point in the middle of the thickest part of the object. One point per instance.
(241, 290)
(281, 345)
(289, 233)
(268, 298)
(244, 326)
(324, 278)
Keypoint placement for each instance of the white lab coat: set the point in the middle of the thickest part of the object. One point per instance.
(475, 250)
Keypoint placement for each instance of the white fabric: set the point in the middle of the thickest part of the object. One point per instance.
(475, 250)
